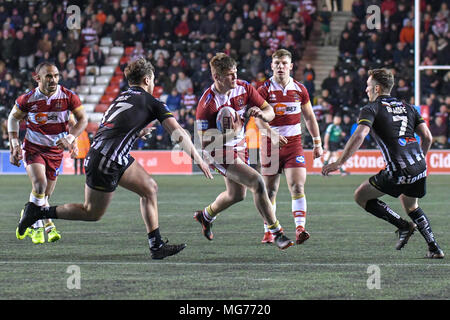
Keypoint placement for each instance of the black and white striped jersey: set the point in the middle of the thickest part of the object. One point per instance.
(127, 115)
(393, 124)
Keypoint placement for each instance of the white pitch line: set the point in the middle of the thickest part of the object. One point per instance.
(202, 264)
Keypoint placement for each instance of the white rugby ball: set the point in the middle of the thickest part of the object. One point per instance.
(226, 118)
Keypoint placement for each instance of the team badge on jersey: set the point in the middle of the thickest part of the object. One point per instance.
(300, 159)
(402, 142)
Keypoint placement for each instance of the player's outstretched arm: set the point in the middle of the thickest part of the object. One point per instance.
(425, 137)
(350, 148)
(181, 137)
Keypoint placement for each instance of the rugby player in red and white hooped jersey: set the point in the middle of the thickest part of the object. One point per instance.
(230, 154)
(46, 109)
(289, 99)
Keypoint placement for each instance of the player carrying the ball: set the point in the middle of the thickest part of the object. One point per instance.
(230, 152)
(289, 99)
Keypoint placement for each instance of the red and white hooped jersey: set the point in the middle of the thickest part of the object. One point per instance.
(47, 117)
(287, 104)
(239, 98)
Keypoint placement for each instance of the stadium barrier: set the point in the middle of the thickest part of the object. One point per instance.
(177, 162)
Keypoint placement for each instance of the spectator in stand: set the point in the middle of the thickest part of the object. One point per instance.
(402, 91)
(330, 82)
(429, 82)
(72, 46)
(184, 83)
(96, 56)
(189, 100)
(407, 33)
(44, 45)
(182, 29)
(438, 129)
(173, 102)
(66, 81)
(61, 61)
(325, 21)
(133, 35)
(389, 5)
(209, 27)
(118, 35)
(88, 34)
(25, 50)
(440, 25)
(246, 44)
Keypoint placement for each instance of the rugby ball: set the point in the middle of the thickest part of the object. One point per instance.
(226, 117)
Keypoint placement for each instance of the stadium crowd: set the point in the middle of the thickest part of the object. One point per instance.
(179, 37)
(391, 45)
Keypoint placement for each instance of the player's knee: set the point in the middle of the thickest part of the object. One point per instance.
(359, 199)
(237, 196)
(258, 185)
(297, 189)
(93, 214)
(151, 188)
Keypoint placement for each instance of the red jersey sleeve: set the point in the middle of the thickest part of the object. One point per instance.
(264, 91)
(74, 101)
(304, 95)
(205, 116)
(254, 98)
(22, 103)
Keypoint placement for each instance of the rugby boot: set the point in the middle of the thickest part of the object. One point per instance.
(206, 226)
(282, 241)
(38, 236)
(301, 235)
(28, 216)
(404, 235)
(268, 237)
(166, 250)
(53, 235)
(435, 253)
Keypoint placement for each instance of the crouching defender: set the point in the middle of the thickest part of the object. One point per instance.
(392, 124)
(109, 163)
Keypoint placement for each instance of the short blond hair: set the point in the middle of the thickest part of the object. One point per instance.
(281, 53)
(221, 63)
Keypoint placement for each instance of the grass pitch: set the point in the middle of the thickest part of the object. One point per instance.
(113, 261)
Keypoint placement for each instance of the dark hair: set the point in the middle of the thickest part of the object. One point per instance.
(384, 78)
(42, 65)
(138, 69)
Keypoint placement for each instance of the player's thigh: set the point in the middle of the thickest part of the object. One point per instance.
(246, 176)
(235, 190)
(137, 180)
(296, 179)
(409, 203)
(36, 173)
(272, 184)
(366, 192)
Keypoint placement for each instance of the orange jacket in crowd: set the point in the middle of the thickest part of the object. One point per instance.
(252, 134)
(83, 145)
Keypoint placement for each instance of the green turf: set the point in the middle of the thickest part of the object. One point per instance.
(114, 261)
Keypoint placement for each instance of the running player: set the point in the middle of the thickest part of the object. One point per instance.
(230, 158)
(47, 109)
(109, 163)
(392, 124)
(289, 99)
